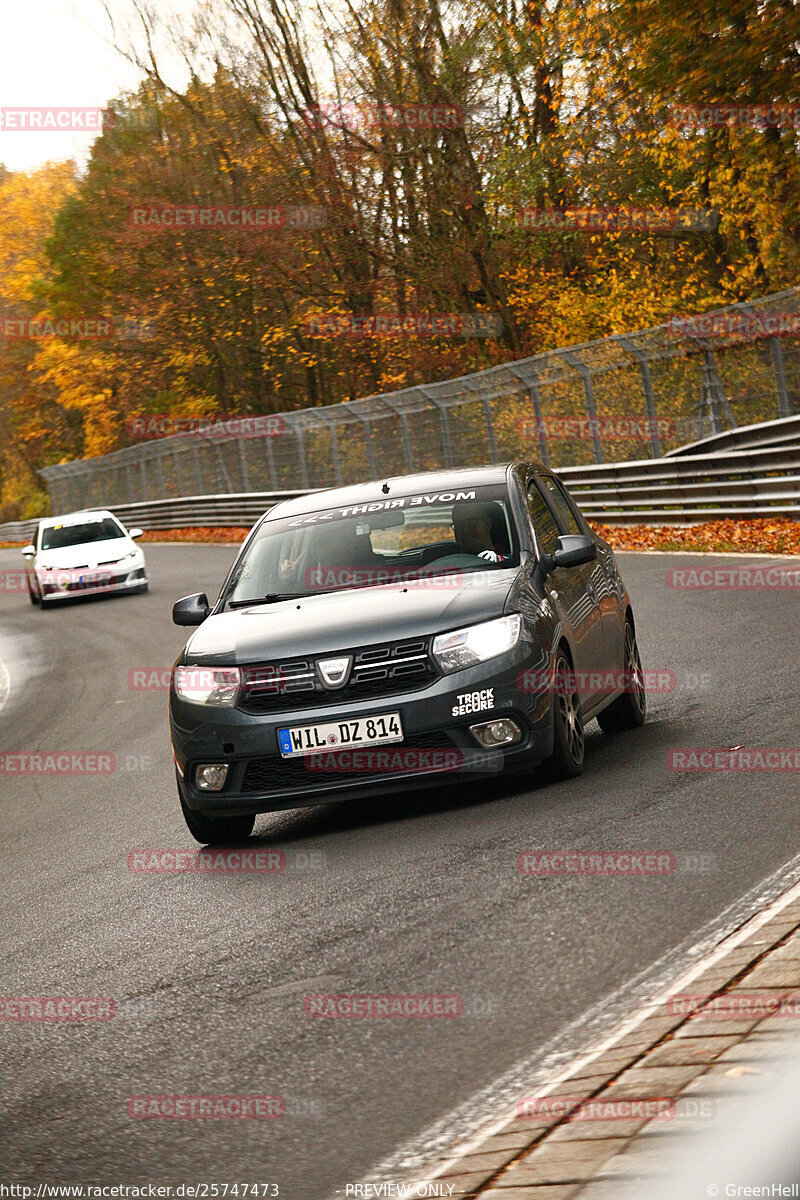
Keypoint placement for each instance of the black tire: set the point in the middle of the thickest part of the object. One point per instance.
(567, 759)
(216, 831)
(630, 709)
(34, 599)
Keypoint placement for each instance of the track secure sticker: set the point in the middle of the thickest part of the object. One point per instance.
(473, 702)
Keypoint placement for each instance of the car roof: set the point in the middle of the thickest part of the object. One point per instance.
(77, 518)
(399, 485)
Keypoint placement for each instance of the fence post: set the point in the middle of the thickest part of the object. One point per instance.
(487, 411)
(776, 350)
(444, 425)
(373, 470)
(715, 392)
(591, 407)
(222, 469)
(181, 486)
(541, 432)
(301, 454)
(337, 466)
(407, 453)
(647, 386)
(244, 474)
(273, 477)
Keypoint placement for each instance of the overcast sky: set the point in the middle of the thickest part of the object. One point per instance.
(53, 53)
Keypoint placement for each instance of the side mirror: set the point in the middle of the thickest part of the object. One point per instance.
(28, 551)
(135, 533)
(572, 550)
(191, 610)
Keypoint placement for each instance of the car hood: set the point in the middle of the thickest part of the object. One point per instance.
(340, 620)
(87, 554)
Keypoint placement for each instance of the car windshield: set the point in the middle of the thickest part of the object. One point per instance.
(56, 537)
(383, 541)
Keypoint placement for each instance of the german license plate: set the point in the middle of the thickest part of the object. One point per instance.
(296, 740)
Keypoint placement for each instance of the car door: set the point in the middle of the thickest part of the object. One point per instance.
(571, 589)
(606, 583)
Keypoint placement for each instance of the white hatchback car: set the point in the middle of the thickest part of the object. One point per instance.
(83, 554)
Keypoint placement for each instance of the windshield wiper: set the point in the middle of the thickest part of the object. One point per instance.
(270, 598)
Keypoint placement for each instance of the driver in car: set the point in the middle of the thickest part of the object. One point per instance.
(472, 527)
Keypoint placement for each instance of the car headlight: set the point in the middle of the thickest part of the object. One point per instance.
(133, 554)
(466, 647)
(208, 685)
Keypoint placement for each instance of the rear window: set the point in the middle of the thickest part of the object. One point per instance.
(57, 537)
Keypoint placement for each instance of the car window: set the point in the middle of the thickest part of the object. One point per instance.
(57, 537)
(573, 508)
(566, 518)
(543, 521)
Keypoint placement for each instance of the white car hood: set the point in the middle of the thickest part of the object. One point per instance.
(89, 554)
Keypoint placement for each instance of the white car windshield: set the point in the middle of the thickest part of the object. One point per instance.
(56, 537)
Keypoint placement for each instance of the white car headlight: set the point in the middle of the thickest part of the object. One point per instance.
(466, 647)
(132, 554)
(208, 685)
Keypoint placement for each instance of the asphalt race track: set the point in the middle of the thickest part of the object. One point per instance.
(414, 895)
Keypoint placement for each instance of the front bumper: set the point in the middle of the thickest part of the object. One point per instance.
(119, 581)
(437, 747)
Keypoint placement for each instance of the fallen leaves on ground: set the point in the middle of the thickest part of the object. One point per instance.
(228, 534)
(763, 536)
(766, 536)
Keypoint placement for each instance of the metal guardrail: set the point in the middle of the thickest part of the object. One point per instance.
(742, 484)
(184, 513)
(783, 432)
(760, 482)
(641, 393)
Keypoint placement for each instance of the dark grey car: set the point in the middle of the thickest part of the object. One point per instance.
(400, 633)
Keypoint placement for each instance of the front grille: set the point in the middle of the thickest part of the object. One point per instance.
(106, 580)
(377, 671)
(292, 774)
